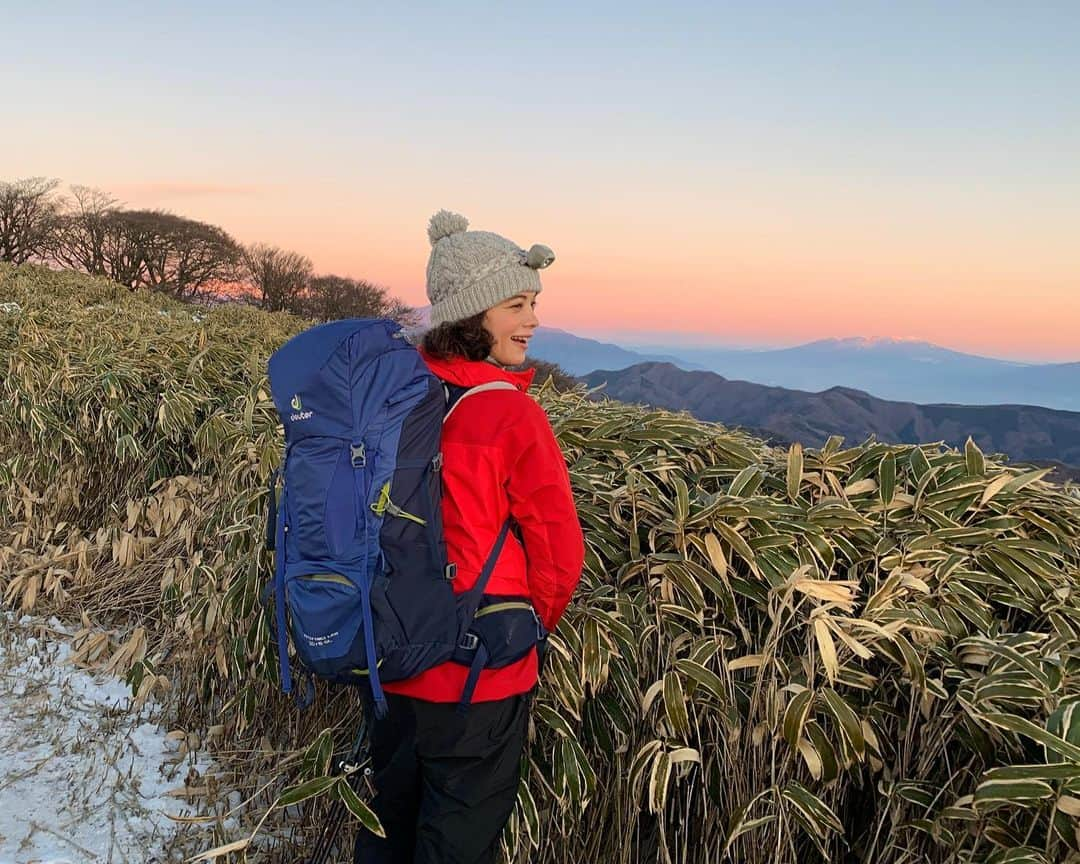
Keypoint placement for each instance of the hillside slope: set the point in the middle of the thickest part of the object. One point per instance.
(578, 355)
(811, 616)
(1021, 432)
(898, 369)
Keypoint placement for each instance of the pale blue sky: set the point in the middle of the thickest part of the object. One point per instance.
(928, 149)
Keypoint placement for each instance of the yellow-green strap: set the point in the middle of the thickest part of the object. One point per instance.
(385, 505)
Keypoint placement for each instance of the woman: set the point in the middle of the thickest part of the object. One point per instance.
(446, 781)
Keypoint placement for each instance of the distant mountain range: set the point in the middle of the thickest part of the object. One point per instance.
(1021, 410)
(578, 355)
(897, 369)
(1023, 433)
(889, 368)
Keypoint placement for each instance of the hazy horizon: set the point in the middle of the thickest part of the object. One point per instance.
(764, 176)
(646, 341)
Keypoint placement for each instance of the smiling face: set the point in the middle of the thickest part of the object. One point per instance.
(511, 325)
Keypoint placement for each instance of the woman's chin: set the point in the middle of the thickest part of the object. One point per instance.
(513, 357)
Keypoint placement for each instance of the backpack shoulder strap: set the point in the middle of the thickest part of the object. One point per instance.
(453, 399)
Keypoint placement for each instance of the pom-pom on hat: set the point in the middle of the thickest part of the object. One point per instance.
(471, 271)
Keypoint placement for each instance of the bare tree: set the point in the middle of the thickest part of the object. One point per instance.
(28, 210)
(144, 248)
(184, 257)
(153, 249)
(278, 277)
(80, 236)
(563, 380)
(402, 312)
(332, 297)
(124, 247)
(206, 256)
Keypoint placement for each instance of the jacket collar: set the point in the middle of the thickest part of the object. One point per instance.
(470, 373)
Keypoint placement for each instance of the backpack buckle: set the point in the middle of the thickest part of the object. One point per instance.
(436, 463)
(450, 573)
(470, 642)
(358, 455)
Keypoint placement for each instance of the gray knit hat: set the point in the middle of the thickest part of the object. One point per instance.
(471, 271)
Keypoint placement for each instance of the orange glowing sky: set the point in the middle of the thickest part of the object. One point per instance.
(751, 177)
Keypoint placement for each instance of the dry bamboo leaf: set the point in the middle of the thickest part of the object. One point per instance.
(841, 593)
(826, 649)
(1069, 805)
(811, 758)
(861, 487)
(221, 851)
(750, 661)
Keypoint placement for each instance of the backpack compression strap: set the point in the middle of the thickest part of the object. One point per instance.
(472, 602)
(279, 586)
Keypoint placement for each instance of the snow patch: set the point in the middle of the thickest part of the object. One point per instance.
(83, 776)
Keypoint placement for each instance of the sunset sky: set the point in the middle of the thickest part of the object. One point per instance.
(746, 174)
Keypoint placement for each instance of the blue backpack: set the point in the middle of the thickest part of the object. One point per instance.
(362, 584)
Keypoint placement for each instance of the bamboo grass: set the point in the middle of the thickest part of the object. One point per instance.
(863, 653)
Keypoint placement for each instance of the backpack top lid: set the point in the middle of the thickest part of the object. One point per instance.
(323, 379)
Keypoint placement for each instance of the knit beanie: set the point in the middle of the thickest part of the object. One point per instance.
(471, 271)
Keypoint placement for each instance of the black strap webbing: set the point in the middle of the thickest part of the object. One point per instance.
(478, 663)
(472, 603)
(476, 593)
(271, 511)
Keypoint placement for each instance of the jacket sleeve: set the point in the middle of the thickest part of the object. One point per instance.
(541, 501)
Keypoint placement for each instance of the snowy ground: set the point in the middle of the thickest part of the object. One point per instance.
(83, 778)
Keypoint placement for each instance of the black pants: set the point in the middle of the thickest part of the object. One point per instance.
(445, 784)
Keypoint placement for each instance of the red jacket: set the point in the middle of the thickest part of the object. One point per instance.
(500, 458)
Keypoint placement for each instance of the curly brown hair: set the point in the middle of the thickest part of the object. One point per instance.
(468, 338)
